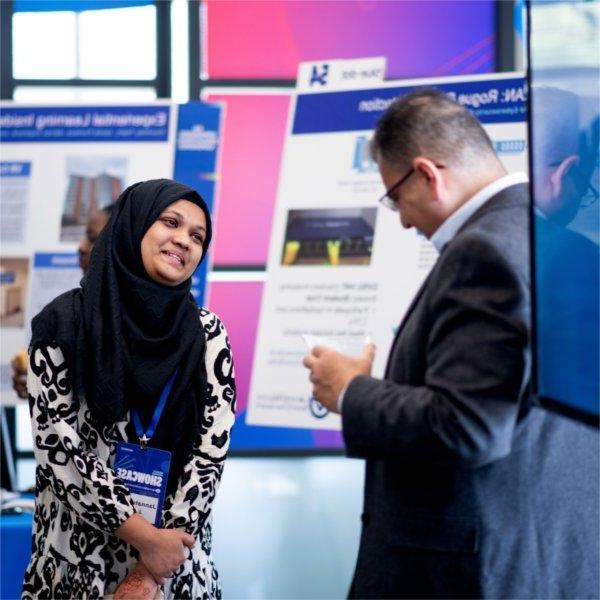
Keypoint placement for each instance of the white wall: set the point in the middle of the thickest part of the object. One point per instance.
(287, 527)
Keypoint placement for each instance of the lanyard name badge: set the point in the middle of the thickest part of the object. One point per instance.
(145, 470)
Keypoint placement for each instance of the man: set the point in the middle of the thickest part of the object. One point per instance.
(94, 227)
(470, 490)
(565, 154)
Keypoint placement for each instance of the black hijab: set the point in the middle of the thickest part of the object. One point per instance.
(124, 334)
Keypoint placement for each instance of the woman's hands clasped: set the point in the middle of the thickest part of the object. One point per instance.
(164, 552)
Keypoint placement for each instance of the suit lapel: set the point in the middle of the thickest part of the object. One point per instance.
(407, 314)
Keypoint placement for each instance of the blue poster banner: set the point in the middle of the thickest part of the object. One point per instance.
(56, 260)
(196, 148)
(85, 124)
(15, 169)
(494, 101)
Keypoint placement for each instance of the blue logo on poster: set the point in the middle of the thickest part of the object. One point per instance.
(7, 277)
(15, 169)
(510, 146)
(363, 163)
(197, 138)
(317, 409)
(319, 75)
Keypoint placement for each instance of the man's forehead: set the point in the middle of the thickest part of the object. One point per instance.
(97, 221)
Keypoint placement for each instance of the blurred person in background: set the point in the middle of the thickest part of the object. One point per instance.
(94, 227)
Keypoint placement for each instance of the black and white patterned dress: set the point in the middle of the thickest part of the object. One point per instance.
(80, 501)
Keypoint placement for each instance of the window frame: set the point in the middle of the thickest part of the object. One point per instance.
(161, 83)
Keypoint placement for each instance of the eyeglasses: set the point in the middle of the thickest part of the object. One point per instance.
(591, 195)
(388, 199)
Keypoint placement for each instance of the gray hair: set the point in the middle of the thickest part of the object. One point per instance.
(428, 123)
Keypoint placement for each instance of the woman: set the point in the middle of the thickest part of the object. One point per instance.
(101, 359)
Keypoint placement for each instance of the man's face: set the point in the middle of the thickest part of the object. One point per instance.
(557, 193)
(408, 197)
(94, 227)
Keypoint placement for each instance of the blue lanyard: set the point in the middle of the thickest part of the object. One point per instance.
(147, 436)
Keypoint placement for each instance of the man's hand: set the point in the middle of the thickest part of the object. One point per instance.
(138, 585)
(331, 372)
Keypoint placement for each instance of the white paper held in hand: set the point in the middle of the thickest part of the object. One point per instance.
(314, 340)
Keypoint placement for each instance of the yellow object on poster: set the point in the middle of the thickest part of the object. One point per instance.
(333, 250)
(291, 251)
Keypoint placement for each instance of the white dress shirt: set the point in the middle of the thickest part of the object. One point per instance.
(448, 229)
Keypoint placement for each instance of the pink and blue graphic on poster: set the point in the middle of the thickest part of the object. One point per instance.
(268, 39)
(251, 149)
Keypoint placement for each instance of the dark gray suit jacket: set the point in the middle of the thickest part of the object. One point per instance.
(470, 491)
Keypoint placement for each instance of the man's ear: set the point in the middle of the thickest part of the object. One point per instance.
(432, 174)
(558, 175)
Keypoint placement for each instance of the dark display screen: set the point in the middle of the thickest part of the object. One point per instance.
(564, 119)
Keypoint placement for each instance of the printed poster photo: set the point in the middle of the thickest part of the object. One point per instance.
(93, 183)
(13, 291)
(329, 237)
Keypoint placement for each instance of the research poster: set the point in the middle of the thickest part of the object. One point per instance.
(341, 269)
(61, 164)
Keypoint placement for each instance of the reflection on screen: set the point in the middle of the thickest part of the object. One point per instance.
(564, 81)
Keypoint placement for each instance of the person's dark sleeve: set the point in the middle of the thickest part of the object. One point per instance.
(477, 366)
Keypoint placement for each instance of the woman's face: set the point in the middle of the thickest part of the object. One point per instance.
(172, 247)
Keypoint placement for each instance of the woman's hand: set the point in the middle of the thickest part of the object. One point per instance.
(164, 554)
(161, 550)
(138, 585)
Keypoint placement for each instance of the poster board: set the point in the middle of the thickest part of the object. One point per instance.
(339, 266)
(62, 163)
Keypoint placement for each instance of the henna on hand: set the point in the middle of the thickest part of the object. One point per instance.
(135, 586)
